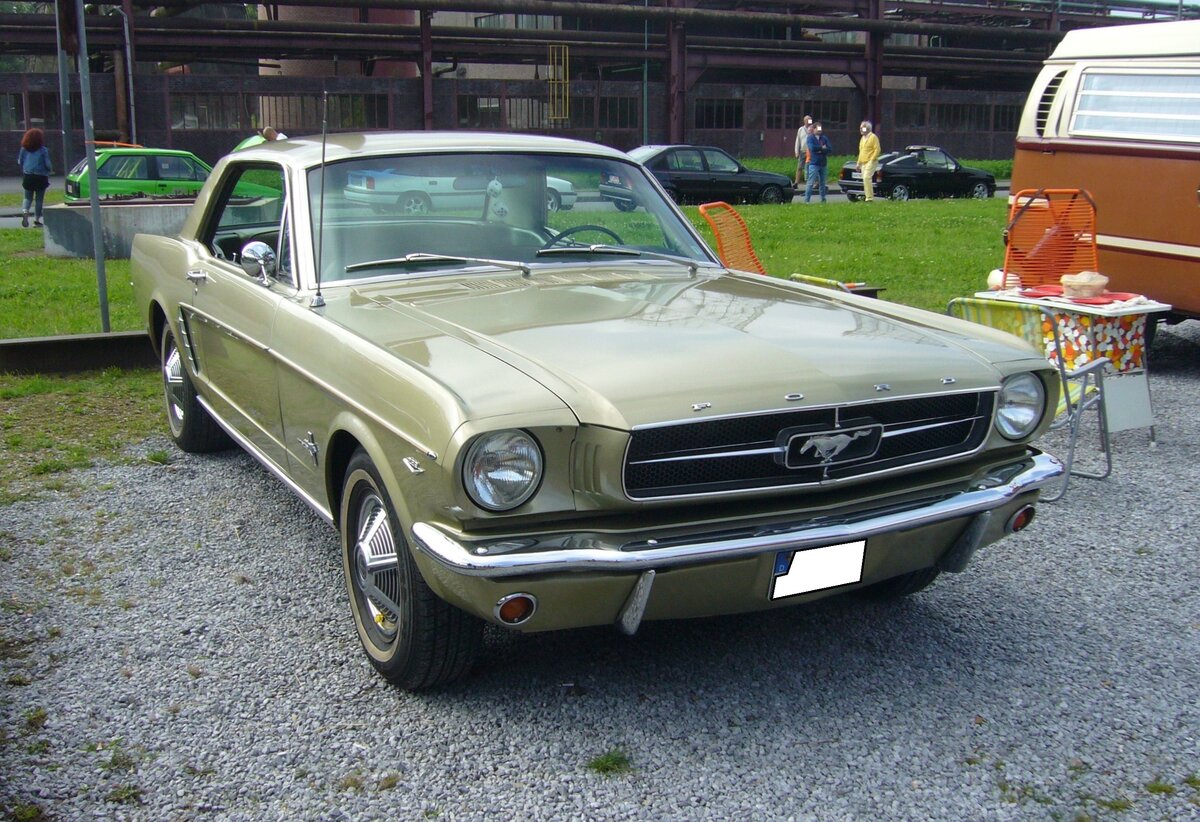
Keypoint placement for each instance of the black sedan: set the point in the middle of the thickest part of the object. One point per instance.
(703, 174)
(920, 171)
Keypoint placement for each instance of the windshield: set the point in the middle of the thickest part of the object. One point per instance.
(416, 214)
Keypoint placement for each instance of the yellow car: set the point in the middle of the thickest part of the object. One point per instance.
(547, 419)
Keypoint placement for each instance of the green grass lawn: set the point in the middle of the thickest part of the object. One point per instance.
(44, 296)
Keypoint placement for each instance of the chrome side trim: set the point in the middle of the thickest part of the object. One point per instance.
(983, 389)
(601, 552)
(1148, 246)
(267, 463)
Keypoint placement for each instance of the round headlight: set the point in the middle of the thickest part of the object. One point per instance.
(502, 469)
(1022, 403)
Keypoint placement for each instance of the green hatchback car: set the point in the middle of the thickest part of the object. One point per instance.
(138, 171)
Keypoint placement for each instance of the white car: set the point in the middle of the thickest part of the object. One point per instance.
(395, 191)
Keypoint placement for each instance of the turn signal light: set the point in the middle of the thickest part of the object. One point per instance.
(515, 609)
(1019, 520)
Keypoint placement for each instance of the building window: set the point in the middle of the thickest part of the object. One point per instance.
(909, 116)
(536, 22)
(42, 109)
(723, 114)
(193, 112)
(784, 114)
(358, 112)
(524, 113)
(1005, 118)
(619, 112)
(479, 112)
(1149, 106)
(12, 112)
(832, 114)
(959, 117)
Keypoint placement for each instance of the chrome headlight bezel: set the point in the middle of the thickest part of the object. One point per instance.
(510, 450)
(1020, 406)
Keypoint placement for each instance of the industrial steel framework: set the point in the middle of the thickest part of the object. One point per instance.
(684, 40)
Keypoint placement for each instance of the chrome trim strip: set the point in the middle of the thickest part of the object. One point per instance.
(793, 409)
(547, 557)
(782, 449)
(267, 463)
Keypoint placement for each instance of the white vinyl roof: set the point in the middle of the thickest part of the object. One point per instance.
(1179, 39)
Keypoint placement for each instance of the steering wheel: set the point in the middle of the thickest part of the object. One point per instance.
(555, 240)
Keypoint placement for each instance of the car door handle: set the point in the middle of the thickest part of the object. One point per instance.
(197, 276)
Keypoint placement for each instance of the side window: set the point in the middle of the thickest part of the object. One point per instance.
(177, 168)
(937, 159)
(720, 161)
(124, 167)
(686, 160)
(248, 207)
(1162, 105)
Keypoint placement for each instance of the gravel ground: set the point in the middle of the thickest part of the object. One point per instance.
(175, 644)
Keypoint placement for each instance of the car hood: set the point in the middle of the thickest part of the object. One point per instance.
(621, 347)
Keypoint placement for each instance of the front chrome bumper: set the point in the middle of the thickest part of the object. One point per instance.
(998, 486)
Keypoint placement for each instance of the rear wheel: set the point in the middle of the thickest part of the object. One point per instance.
(412, 637)
(980, 191)
(192, 428)
(674, 195)
(852, 197)
(415, 202)
(625, 205)
(900, 192)
(771, 195)
(901, 586)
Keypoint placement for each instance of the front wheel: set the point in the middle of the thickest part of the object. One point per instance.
(553, 201)
(852, 197)
(191, 426)
(900, 192)
(771, 195)
(412, 637)
(980, 191)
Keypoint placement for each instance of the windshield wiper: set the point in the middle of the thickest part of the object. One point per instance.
(622, 252)
(424, 258)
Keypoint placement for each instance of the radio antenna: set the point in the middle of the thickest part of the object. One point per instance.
(318, 300)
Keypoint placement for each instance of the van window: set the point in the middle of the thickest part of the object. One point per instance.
(1127, 105)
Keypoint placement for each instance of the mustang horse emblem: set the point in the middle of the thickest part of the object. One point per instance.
(829, 447)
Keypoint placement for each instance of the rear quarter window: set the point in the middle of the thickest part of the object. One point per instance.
(1131, 105)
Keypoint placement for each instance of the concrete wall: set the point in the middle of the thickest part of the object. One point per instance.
(68, 231)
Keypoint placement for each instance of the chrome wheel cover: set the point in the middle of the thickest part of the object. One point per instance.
(414, 204)
(173, 387)
(980, 191)
(375, 572)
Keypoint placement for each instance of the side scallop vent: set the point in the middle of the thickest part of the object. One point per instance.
(1047, 102)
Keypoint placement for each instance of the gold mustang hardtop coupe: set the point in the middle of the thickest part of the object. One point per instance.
(547, 419)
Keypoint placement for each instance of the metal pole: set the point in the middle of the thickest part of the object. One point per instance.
(64, 97)
(645, 78)
(129, 77)
(89, 130)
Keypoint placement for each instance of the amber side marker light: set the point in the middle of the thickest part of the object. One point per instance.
(515, 609)
(1019, 520)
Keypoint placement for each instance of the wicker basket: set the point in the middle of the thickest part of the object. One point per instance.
(1084, 284)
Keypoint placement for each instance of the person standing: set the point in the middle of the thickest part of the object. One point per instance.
(34, 159)
(868, 158)
(819, 150)
(801, 150)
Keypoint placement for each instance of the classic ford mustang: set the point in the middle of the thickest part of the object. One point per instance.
(548, 419)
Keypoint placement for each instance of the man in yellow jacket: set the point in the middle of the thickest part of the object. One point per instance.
(868, 158)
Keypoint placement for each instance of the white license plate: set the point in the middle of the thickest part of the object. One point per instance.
(815, 569)
(855, 175)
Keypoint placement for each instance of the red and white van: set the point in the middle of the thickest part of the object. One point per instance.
(1116, 111)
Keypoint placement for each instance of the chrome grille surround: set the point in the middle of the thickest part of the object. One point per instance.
(752, 452)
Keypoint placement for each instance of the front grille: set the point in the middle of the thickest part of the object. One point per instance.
(804, 447)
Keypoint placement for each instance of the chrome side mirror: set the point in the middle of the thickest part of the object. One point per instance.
(258, 260)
